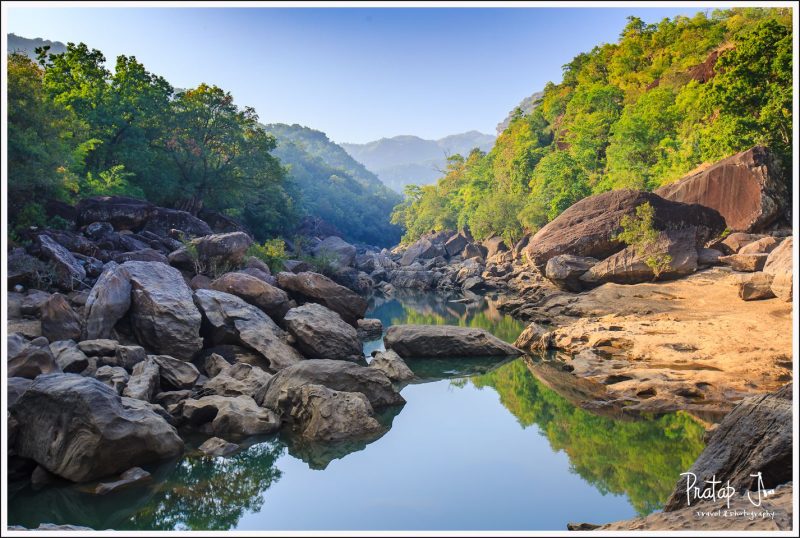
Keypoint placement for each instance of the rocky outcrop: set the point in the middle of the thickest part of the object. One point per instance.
(108, 301)
(224, 416)
(77, 428)
(337, 375)
(322, 334)
(343, 252)
(316, 288)
(747, 189)
(228, 319)
(754, 439)
(163, 315)
(215, 250)
(420, 341)
(392, 365)
(59, 320)
(779, 266)
(272, 300)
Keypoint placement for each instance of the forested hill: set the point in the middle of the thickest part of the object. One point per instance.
(638, 113)
(77, 128)
(26, 46)
(405, 159)
(333, 186)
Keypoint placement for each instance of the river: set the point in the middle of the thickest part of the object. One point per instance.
(478, 446)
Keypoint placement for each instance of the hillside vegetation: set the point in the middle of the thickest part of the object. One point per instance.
(639, 113)
(78, 129)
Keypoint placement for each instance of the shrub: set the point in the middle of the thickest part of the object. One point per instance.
(640, 233)
(272, 252)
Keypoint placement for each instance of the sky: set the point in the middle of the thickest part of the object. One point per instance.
(358, 74)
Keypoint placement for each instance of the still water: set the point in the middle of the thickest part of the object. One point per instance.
(478, 446)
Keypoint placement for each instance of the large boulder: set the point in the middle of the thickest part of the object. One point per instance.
(343, 252)
(114, 376)
(494, 245)
(412, 278)
(163, 315)
(422, 341)
(227, 417)
(121, 212)
(215, 250)
(143, 383)
(322, 334)
(77, 428)
(318, 413)
(163, 220)
(747, 263)
(230, 320)
(590, 226)
(630, 267)
(747, 189)
(59, 320)
(175, 374)
(422, 249)
(565, 270)
(235, 380)
(456, 243)
(108, 301)
(29, 359)
(69, 272)
(392, 365)
(272, 300)
(316, 288)
(755, 286)
(337, 375)
(69, 357)
(755, 439)
(779, 265)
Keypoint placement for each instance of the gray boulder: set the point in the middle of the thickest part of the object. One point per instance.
(316, 288)
(69, 273)
(369, 329)
(392, 365)
(108, 301)
(225, 416)
(59, 320)
(214, 446)
(69, 357)
(236, 380)
(29, 359)
(175, 374)
(322, 334)
(144, 381)
(272, 300)
(343, 252)
(565, 270)
(77, 428)
(113, 376)
(215, 250)
(423, 341)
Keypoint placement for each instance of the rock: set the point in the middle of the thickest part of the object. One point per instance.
(392, 365)
(29, 359)
(171, 397)
(473, 250)
(455, 245)
(259, 274)
(236, 380)
(69, 357)
(143, 383)
(229, 416)
(755, 286)
(413, 279)
(318, 413)
(494, 245)
(129, 356)
(754, 438)
(22, 268)
(200, 282)
(251, 262)
(747, 189)
(175, 374)
(765, 245)
(233, 354)
(708, 256)
(420, 341)
(533, 338)
(121, 212)
(779, 265)
(581, 526)
(98, 230)
(745, 262)
(629, 267)
(29, 328)
(163, 314)
(220, 250)
(322, 334)
(98, 347)
(108, 301)
(422, 249)
(565, 270)
(474, 283)
(215, 446)
(213, 364)
(313, 287)
(77, 428)
(231, 320)
(297, 266)
(272, 300)
(59, 320)
(337, 375)
(590, 226)
(738, 240)
(144, 255)
(16, 387)
(341, 250)
(33, 301)
(162, 220)
(131, 477)
(68, 272)
(113, 376)
(369, 329)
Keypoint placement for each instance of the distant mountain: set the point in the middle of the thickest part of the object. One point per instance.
(527, 105)
(27, 46)
(332, 186)
(405, 159)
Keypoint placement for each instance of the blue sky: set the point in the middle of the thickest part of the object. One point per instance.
(358, 74)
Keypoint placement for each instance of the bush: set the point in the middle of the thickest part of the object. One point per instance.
(272, 252)
(640, 233)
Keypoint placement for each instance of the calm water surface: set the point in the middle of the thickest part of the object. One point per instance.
(478, 446)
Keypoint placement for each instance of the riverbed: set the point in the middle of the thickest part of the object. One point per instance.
(479, 445)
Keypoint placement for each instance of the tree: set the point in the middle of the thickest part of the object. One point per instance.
(638, 231)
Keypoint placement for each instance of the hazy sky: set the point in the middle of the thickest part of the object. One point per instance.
(357, 74)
